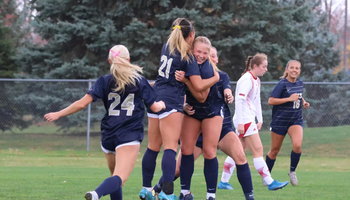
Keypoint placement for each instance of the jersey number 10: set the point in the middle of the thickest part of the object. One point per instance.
(165, 64)
(128, 104)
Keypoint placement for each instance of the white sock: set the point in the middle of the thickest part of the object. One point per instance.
(184, 192)
(229, 166)
(261, 167)
(210, 195)
(149, 189)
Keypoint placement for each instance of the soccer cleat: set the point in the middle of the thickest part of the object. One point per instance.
(156, 190)
(211, 198)
(145, 195)
(275, 185)
(188, 196)
(91, 196)
(163, 196)
(293, 178)
(225, 186)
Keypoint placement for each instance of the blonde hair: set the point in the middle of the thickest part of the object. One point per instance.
(205, 40)
(122, 70)
(181, 29)
(285, 73)
(257, 59)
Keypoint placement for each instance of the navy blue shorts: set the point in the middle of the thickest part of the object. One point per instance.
(283, 129)
(224, 131)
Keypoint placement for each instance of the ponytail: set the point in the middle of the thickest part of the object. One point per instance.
(257, 59)
(181, 29)
(122, 70)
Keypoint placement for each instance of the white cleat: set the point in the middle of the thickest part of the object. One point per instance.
(293, 178)
(91, 196)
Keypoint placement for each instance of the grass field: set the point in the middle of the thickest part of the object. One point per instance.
(53, 166)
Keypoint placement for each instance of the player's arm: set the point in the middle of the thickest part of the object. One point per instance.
(200, 96)
(200, 84)
(277, 101)
(73, 108)
(305, 104)
(258, 112)
(157, 106)
(243, 89)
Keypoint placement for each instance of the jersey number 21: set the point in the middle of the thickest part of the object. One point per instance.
(165, 64)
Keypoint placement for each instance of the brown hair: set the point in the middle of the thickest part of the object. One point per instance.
(181, 29)
(257, 59)
(122, 70)
(205, 40)
(285, 73)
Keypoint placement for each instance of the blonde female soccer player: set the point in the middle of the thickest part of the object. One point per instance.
(123, 92)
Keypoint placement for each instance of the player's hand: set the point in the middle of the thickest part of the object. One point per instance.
(240, 129)
(180, 76)
(259, 125)
(53, 116)
(229, 98)
(294, 97)
(188, 109)
(306, 105)
(162, 104)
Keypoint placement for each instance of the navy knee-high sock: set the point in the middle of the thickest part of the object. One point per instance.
(211, 168)
(269, 162)
(117, 195)
(168, 168)
(108, 186)
(186, 171)
(148, 167)
(294, 160)
(245, 178)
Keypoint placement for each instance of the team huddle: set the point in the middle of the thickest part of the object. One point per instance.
(187, 105)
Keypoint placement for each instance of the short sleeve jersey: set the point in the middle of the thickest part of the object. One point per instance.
(213, 103)
(248, 92)
(290, 110)
(169, 89)
(124, 110)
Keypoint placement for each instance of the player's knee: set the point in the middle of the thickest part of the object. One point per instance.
(297, 148)
(273, 153)
(209, 153)
(241, 159)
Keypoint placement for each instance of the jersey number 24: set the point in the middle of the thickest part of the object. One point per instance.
(128, 104)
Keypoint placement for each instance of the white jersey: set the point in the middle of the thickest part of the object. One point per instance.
(247, 100)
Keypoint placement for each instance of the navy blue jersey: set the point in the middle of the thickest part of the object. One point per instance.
(214, 102)
(169, 89)
(124, 110)
(289, 111)
(222, 84)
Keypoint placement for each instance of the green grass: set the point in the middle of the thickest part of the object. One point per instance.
(54, 166)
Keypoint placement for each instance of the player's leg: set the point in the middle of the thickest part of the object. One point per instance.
(231, 146)
(254, 143)
(211, 130)
(150, 157)
(296, 135)
(125, 159)
(170, 129)
(189, 135)
(276, 144)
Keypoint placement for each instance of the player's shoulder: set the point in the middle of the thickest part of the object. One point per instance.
(300, 82)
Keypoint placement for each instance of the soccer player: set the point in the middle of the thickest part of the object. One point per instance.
(287, 98)
(247, 107)
(176, 55)
(123, 92)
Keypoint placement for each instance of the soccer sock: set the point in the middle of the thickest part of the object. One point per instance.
(109, 186)
(229, 166)
(186, 171)
(117, 195)
(148, 167)
(261, 167)
(211, 168)
(294, 160)
(270, 163)
(245, 178)
(168, 168)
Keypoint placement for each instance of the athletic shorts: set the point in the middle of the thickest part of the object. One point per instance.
(250, 128)
(110, 147)
(283, 129)
(164, 113)
(202, 116)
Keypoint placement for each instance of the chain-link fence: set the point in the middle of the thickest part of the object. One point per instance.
(23, 103)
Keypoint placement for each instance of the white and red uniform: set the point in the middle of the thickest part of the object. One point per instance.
(247, 104)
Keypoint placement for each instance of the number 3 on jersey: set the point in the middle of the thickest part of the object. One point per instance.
(165, 64)
(128, 104)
